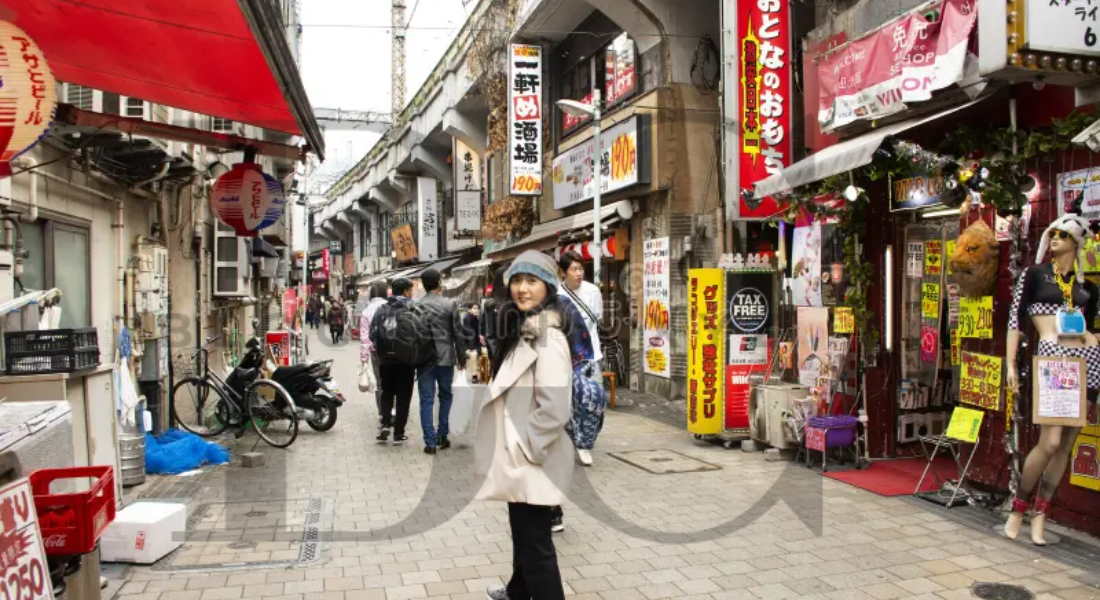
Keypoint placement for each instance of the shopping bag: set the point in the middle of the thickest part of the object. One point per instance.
(462, 404)
(366, 378)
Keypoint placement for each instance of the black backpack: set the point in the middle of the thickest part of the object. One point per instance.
(403, 334)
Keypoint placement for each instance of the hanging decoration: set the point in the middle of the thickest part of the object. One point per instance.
(28, 100)
(247, 199)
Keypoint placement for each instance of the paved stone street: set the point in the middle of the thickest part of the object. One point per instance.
(338, 517)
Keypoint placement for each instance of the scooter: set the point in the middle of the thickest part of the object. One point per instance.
(316, 396)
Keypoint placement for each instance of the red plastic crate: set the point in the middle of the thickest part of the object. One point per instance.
(72, 523)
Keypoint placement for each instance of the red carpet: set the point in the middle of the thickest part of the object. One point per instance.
(897, 477)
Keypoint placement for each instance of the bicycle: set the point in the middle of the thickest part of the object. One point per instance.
(269, 409)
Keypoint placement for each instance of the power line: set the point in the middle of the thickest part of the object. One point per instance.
(607, 34)
(412, 14)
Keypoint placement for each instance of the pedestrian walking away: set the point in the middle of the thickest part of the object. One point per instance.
(368, 358)
(446, 331)
(336, 321)
(397, 374)
(523, 455)
(589, 401)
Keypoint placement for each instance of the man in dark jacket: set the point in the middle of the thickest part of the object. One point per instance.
(397, 377)
(450, 352)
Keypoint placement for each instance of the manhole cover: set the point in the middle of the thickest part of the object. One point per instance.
(662, 462)
(1001, 591)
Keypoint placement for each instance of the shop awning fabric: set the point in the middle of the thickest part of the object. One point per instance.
(224, 58)
(842, 157)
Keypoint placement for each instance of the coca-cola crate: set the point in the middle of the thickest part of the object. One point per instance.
(72, 523)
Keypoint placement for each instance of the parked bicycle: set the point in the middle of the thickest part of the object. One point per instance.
(207, 405)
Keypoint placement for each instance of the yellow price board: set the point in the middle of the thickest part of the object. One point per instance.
(843, 320)
(965, 425)
(930, 300)
(980, 381)
(949, 251)
(976, 318)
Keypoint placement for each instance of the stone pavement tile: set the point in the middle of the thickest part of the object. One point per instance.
(963, 594)
(844, 581)
(953, 581)
(1032, 584)
(206, 581)
(133, 587)
(285, 576)
(884, 591)
(767, 577)
(971, 561)
(405, 592)
(1079, 593)
(224, 593)
(365, 595)
(1059, 581)
(701, 571)
(910, 571)
(287, 597)
(262, 589)
(383, 581)
(628, 580)
(736, 567)
(596, 570)
(457, 574)
(939, 567)
(590, 585)
(623, 594)
(137, 596)
(663, 576)
(698, 586)
(421, 577)
(848, 594)
(919, 585)
(400, 567)
(660, 590)
(445, 588)
(312, 586)
(807, 587)
(774, 591)
(181, 595)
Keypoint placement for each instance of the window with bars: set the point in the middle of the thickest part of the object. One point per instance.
(222, 125)
(80, 96)
(135, 107)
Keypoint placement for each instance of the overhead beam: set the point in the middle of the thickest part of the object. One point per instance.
(458, 125)
(435, 166)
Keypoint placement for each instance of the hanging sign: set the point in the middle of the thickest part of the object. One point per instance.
(657, 297)
(980, 381)
(905, 61)
(976, 317)
(290, 307)
(843, 320)
(24, 574)
(1062, 26)
(1059, 391)
(427, 201)
(764, 103)
(620, 77)
(404, 244)
(27, 95)
(525, 119)
(706, 348)
(965, 424)
(625, 151)
(914, 260)
(930, 300)
(933, 257)
(247, 199)
(919, 190)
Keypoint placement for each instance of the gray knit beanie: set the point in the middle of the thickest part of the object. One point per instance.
(536, 264)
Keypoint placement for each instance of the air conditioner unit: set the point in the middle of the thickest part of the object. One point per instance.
(232, 264)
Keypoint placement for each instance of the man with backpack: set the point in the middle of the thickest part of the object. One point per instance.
(392, 335)
(445, 329)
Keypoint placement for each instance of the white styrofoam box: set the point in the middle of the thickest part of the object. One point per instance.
(144, 532)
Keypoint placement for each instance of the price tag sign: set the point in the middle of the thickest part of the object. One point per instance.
(930, 300)
(949, 251)
(933, 257)
(976, 318)
(843, 320)
(980, 380)
(965, 425)
(23, 571)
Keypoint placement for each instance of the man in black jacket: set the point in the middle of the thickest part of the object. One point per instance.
(397, 377)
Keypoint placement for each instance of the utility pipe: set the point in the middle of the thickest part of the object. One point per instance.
(121, 266)
(28, 164)
(155, 178)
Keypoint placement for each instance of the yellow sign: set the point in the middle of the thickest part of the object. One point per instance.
(930, 300)
(980, 381)
(949, 251)
(965, 425)
(843, 320)
(1010, 405)
(954, 347)
(706, 351)
(933, 257)
(976, 318)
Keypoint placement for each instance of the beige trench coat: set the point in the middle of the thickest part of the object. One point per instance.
(522, 453)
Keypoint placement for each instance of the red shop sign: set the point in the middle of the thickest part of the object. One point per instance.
(764, 105)
(904, 61)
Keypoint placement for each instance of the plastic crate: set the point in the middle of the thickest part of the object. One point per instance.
(830, 432)
(72, 523)
(51, 351)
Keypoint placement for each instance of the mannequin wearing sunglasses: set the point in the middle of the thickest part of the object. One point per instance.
(1059, 304)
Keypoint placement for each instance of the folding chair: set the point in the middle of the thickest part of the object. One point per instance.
(952, 441)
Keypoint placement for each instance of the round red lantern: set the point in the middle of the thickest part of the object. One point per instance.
(27, 97)
(247, 199)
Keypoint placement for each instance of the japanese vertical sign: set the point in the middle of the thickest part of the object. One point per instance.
(706, 349)
(23, 570)
(427, 198)
(657, 298)
(467, 187)
(525, 119)
(619, 73)
(764, 111)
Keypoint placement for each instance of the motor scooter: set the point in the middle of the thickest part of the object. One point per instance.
(316, 396)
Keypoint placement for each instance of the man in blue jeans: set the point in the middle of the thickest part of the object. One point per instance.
(446, 330)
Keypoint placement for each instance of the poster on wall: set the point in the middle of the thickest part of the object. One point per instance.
(933, 258)
(930, 300)
(764, 104)
(813, 340)
(525, 119)
(656, 295)
(806, 258)
(1059, 391)
(980, 381)
(706, 347)
(914, 260)
(625, 153)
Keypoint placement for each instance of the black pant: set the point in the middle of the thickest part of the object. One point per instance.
(397, 384)
(535, 574)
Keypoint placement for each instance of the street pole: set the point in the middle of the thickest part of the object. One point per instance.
(305, 273)
(597, 177)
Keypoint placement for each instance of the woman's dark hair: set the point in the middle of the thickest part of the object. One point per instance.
(500, 291)
(567, 259)
(510, 320)
(379, 289)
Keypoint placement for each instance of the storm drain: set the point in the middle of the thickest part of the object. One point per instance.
(664, 462)
(251, 535)
(1001, 591)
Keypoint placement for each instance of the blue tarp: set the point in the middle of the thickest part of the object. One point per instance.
(178, 451)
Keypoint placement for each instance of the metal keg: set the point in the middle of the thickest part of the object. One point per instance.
(132, 452)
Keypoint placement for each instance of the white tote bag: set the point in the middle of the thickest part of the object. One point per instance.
(366, 378)
(463, 404)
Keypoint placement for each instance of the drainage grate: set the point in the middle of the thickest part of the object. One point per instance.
(289, 533)
(663, 462)
(1001, 591)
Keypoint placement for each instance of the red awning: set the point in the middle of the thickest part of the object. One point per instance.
(197, 55)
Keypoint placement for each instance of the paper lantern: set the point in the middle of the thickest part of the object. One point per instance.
(247, 199)
(28, 100)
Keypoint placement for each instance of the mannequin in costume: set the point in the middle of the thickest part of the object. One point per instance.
(1060, 306)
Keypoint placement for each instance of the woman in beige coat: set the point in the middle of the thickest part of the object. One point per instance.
(523, 455)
